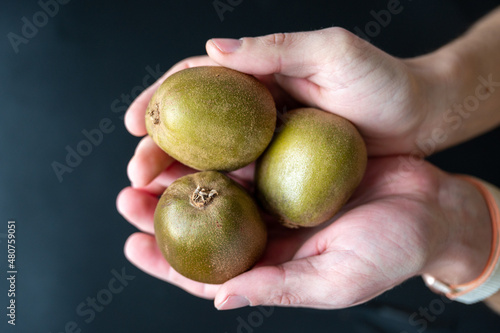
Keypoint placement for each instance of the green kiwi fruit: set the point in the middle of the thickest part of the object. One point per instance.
(209, 228)
(310, 169)
(212, 118)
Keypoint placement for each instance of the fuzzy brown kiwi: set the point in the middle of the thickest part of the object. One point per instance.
(212, 118)
(311, 167)
(209, 228)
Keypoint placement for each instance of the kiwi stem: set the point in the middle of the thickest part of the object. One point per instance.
(155, 114)
(202, 197)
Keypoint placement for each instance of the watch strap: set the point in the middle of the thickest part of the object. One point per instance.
(488, 283)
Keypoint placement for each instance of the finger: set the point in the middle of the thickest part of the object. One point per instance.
(244, 175)
(177, 170)
(291, 284)
(147, 163)
(134, 118)
(137, 207)
(325, 281)
(167, 177)
(142, 251)
(299, 54)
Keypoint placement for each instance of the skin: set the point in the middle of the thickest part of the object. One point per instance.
(401, 222)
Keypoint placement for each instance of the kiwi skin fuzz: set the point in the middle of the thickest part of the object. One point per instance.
(212, 118)
(209, 228)
(310, 169)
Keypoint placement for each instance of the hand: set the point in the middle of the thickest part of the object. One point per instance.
(429, 222)
(388, 99)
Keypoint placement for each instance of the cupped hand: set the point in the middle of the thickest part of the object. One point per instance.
(390, 100)
(397, 225)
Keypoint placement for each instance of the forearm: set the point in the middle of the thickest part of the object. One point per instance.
(464, 88)
(462, 80)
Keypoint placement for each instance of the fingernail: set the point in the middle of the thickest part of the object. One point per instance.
(227, 45)
(234, 302)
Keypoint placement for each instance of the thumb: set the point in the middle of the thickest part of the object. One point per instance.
(297, 54)
(307, 282)
(304, 61)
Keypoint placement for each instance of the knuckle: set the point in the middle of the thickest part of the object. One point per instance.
(346, 41)
(285, 298)
(276, 39)
(341, 33)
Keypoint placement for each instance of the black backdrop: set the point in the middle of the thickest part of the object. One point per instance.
(75, 70)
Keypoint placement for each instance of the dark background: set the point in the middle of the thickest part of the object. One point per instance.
(70, 238)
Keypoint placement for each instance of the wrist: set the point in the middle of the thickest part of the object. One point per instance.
(466, 246)
(461, 90)
(445, 78)
(486, 285)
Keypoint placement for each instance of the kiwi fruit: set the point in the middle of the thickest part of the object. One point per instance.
(310, 169)
(209, 228)
(212, 118)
